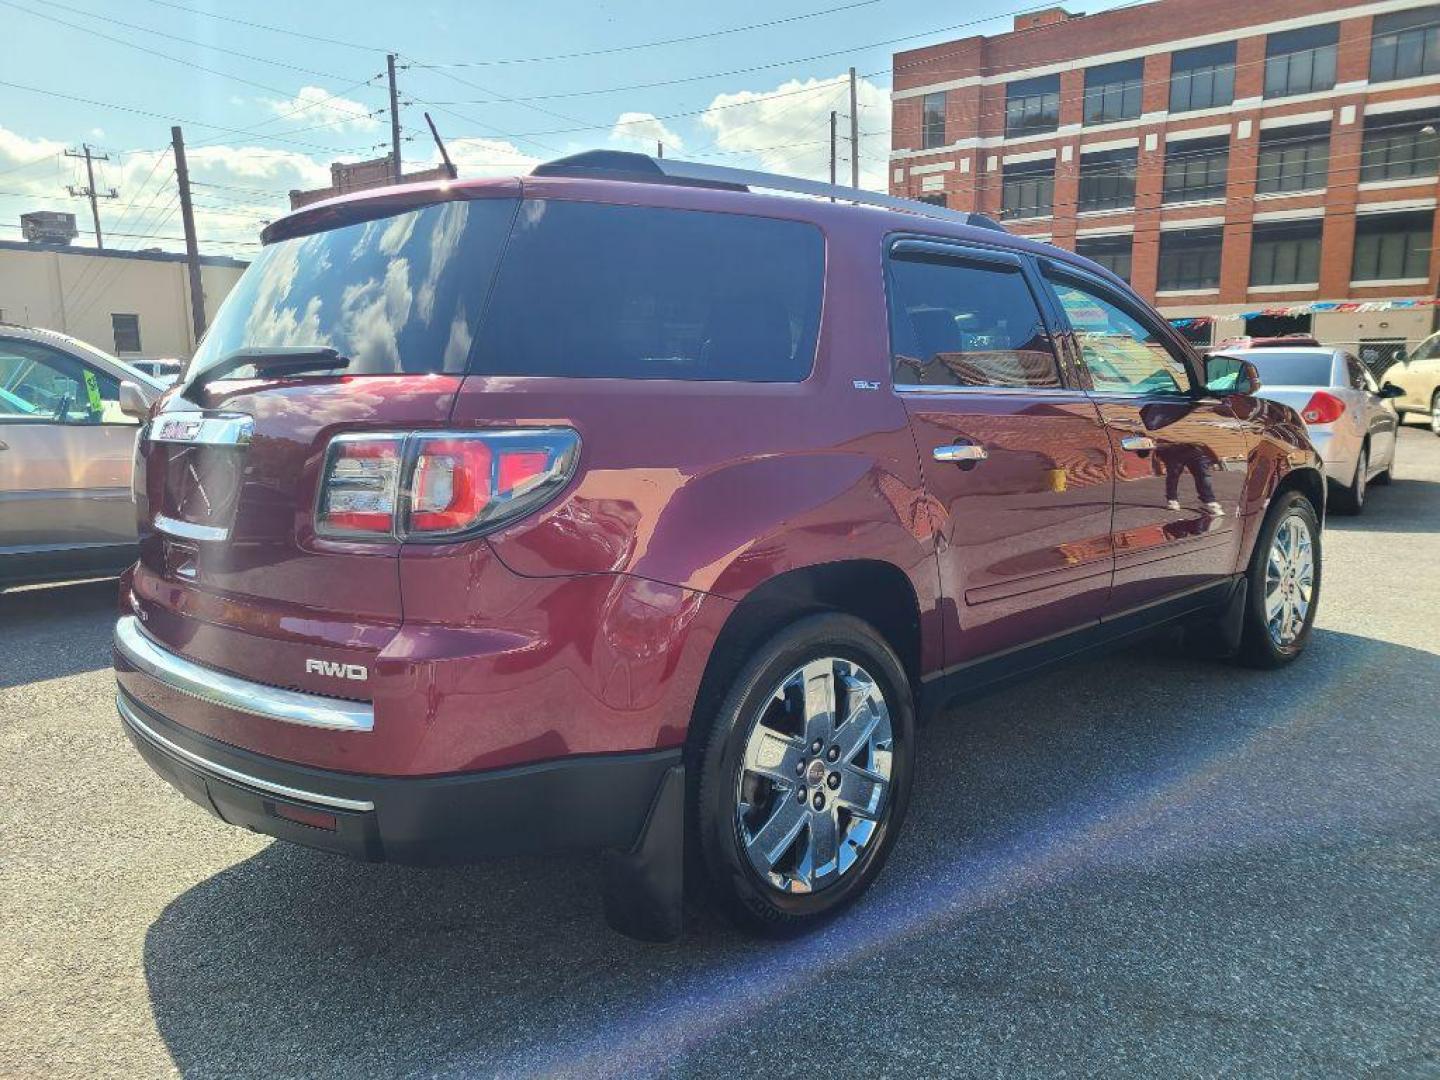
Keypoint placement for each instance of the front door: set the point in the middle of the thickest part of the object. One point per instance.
(1017, 464)
(1181, 454)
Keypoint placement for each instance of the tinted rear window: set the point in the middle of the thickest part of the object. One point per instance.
(595, 290)
(1292, 369)
(396, 294)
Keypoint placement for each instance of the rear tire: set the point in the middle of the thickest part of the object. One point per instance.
(1282, 595)
(1350, 501)
(782, 850)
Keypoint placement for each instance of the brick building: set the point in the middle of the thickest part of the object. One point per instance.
(1226, 157)
(348, 176)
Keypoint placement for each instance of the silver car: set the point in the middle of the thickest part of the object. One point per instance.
(66, 448)
(1349, 416)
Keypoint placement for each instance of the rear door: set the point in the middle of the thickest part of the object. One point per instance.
(1180, 453)
(1379, 421)
(65, 452)
(1017, 463)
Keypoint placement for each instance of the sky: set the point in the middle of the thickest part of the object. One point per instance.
(271, 91)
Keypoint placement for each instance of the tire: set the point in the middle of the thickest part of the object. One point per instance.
(1350, 501)
(736, 803)
(1435, 412)
(1260, 645)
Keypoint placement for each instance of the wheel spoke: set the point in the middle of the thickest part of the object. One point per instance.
(773, 755)
(819, 678)
(865, 704)
(1274, 602)
(822, 852)
(861, 791)
(777, 834)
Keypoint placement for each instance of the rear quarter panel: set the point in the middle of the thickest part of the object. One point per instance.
(1278, 445)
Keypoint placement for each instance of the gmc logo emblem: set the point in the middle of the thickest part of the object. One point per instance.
(336, 670)
(180, 430)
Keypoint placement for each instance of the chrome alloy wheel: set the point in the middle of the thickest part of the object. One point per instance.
(815, 778)
(1289, 580)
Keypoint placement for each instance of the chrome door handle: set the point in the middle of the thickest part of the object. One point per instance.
(960, 453)
(1140, 443)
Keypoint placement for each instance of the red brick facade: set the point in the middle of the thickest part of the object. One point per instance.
(968, 165)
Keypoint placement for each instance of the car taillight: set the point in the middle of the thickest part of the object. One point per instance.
(1322, 408)
(435, 485)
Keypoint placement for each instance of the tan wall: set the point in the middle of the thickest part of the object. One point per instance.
(77, 293)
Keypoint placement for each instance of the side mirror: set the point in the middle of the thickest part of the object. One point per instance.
(1231, 375)
(1390, 390)
(134, 401)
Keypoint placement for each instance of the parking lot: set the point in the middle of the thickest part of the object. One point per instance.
(1141, 864)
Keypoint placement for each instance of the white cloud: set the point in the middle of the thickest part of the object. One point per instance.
(787, 129)
(643, 130)
(316, 105)
(485, 157)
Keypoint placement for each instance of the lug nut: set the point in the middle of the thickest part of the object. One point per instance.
(819, 801)
(800, 795)
(800, 768)
(832, 781)
(816, 746)
(833, 754)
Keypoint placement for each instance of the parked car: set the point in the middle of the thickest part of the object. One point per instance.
(1418, 377)
(1348, 414)
(1285, 341)
(164, 371)
(664, 546)
(66, 450)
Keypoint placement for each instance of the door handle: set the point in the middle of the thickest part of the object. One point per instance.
(4, 445)
(960, 453)
(1141, 444)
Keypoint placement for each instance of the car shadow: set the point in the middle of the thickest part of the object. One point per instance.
(1404, 505)
(57, 627)
(296, 962)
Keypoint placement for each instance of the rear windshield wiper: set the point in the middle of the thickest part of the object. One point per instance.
(274, 360)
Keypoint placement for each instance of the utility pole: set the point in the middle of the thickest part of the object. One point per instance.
(89, 190)
(834, 120)
(659, 149)
(854, 134)
(394, 118)
(192, 245)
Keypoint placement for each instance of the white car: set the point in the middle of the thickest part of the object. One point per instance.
(1418, 378)
(1348, 415)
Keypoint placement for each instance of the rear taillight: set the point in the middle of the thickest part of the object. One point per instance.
(1322, 408)
(435, 485)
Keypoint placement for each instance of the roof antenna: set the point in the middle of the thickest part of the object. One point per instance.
(449, 165)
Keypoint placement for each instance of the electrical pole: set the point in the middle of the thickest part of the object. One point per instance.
(854, 134)
(89, 190)
(659, 149)
(192, 245)
(834, 120)
(394, 118)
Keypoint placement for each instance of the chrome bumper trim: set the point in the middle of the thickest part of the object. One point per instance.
(217, 688)
(188, 530)
(149, 734)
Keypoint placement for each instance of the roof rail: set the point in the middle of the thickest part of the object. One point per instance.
(641, 168)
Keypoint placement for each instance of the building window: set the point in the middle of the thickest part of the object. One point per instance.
(1287, 253)
(1293, 159)
(1195, 169)
(127, 332)
(1190, 259)
(1405, 44)
(1107, 179)
(1032, 106)
(1398, 146)
(1392, 246)
(1301, 61)
(934, 199)
(1028, 190)
(932, 133)
(1112, 91)
(1202, 78)
(1111, 252)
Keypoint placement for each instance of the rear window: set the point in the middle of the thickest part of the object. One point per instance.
(602, 291)
(1292, 369)
(397, 294)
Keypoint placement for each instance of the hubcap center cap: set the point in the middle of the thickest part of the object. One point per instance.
(815, 772)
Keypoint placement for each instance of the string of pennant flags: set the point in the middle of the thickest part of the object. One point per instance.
(1315, 307)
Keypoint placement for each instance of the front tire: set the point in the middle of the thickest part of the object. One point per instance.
(1283, 584)
(1435, 412)
(806, 775)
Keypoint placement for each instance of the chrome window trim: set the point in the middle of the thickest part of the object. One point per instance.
(160, 742)
(225, 429)
(216, 688)
(189, 530)
(991, 391)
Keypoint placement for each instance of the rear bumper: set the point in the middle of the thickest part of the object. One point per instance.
(593, 802)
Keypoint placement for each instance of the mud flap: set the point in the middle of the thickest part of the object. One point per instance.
(644, 887)
(1220, 636)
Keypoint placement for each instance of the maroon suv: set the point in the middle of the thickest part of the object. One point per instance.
(624, 508)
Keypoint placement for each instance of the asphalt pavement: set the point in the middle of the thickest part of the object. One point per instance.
(1144, 864)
